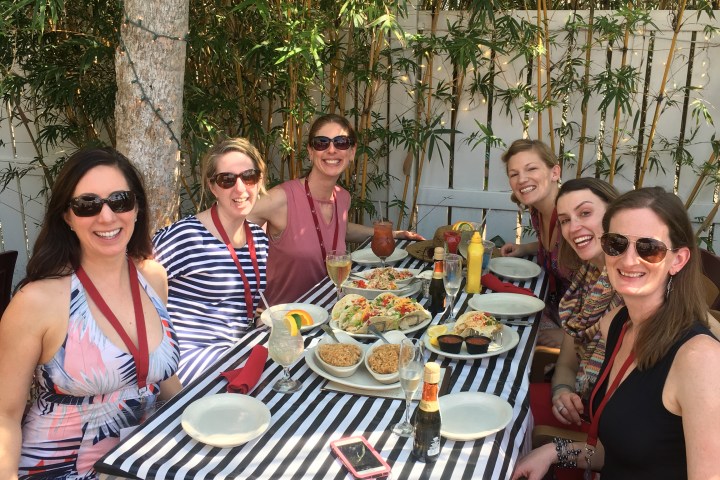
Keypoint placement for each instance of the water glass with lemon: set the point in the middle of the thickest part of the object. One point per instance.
(286, 345)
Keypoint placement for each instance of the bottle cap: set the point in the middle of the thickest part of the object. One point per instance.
(476, 238)
(432, 373)
(439, 253)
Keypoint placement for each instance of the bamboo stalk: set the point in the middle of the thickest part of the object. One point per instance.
(701, 180)
(623, 62)
(709, 219)
(548, 89)
(668, 63)
(586, 82)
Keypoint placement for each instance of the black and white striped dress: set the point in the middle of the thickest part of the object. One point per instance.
(206, 297)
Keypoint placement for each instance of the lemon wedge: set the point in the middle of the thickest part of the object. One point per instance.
(435, 331)
(463, 226)
(291, 326)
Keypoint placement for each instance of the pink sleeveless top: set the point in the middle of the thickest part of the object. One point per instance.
(295, 262)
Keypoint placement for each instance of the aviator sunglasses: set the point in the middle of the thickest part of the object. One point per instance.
(228, 180)
(89, 205)
(341, 142)
(649, 249)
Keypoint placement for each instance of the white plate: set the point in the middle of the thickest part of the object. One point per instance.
(360, 379)
(225, 419)
(370, 336)
(371, 293)
(473, 415)
(515, 268)
(367, 257)
(509, 305)
(400, 283)
(318, 314)
(510, 339)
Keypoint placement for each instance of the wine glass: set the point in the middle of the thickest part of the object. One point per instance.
(285, 347)
(410, 368)
(383, 243)
(452, 277)
(338, 266)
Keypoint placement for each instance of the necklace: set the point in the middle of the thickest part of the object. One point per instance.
(140, 354)
(317, 222)
(253, 258)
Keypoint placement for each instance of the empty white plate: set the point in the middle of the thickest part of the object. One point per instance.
(367, 257)
(473, 415)
(225, 419)
(508, 305)
(514, 268)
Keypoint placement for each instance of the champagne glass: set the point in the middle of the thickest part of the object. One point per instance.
(338, 266)
(383, 243)
(452, 277)
(410, 368)
(285, 347)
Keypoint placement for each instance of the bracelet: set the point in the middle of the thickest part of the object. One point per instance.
(567, 458)
(560, 386)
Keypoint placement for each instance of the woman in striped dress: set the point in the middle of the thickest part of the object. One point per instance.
(216, 260)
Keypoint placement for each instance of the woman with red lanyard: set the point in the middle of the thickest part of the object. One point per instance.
(307, 217)
(534, 175)
(88, 325)
(654, 412)
(216, 259)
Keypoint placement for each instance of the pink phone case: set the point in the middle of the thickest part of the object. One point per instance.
(360, 458)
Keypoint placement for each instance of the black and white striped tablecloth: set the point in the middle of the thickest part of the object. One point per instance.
(296, 446)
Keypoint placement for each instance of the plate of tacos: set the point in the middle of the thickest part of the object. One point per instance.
(472, 324)
(387, 311)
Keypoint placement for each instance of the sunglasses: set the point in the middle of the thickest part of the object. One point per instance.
(341, 142)
(649, 249)
(89, 205)
(228, 180)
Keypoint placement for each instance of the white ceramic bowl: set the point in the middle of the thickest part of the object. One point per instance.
(393, 336)
(340, 372)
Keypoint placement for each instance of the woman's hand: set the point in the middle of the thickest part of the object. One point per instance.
(567, 407)
(408, 235)
(535, 464)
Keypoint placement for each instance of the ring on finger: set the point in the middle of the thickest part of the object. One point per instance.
(560, 408)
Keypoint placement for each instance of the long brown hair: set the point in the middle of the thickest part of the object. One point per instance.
(567, 258)
(57, 252)
(684, 305)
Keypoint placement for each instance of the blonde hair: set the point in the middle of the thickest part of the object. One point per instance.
(237, 144)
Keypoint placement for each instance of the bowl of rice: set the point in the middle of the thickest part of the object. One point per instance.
(339, 359)
(381, 359)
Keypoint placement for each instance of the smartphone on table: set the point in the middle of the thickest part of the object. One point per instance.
(360, 458)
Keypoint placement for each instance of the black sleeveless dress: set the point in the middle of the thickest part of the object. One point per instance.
(642, 439)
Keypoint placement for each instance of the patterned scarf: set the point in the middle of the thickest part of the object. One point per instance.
(586, 300)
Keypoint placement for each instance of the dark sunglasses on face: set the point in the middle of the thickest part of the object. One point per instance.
(341, 142)
(649, 249)
(89, 205)
(228, 180)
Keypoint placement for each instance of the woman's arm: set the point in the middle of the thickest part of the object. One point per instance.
(519, 249)
(567, 404)
(23, 330)
(359, 233)
(691, 390)
(536, 464)
(169, 388)
(271, 210)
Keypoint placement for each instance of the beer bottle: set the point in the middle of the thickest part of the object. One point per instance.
(437, 287)
(426, 444)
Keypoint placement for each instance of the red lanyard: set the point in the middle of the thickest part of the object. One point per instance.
(595, 419)
(253, 257)
(317, 222)
(140, 353)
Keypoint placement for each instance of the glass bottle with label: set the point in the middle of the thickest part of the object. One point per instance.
(426, 445)
(437, 287)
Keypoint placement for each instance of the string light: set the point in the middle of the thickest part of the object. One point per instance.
(144, 97)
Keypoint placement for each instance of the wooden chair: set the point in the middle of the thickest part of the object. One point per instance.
(7, 269)
(711, 278)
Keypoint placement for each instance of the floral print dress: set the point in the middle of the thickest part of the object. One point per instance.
(87, 393)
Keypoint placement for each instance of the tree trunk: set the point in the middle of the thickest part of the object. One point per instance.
(150, 69)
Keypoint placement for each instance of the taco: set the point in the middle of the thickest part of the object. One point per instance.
(476, 323)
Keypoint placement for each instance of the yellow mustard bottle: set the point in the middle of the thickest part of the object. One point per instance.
(474, 264)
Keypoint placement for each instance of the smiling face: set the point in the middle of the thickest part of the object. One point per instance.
(531, 179)
(107, 233)
(331, 162)
(237, 201)
(580, 215)
(631, 276)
